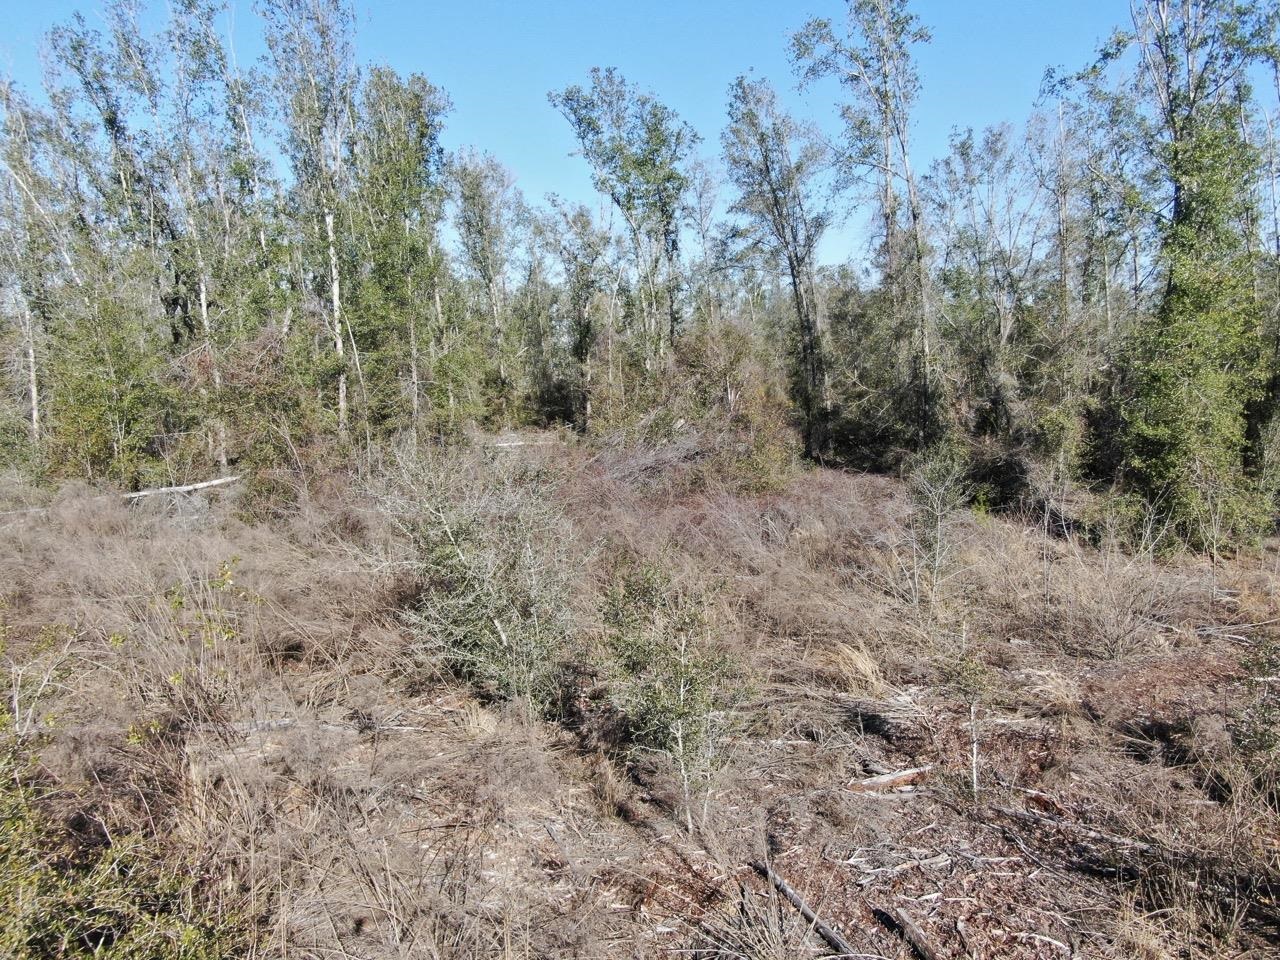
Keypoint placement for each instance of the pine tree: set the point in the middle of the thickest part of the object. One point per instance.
(1191, 369)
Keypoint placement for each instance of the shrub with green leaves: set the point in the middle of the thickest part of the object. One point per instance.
(1257, 730)
(939, 488)
(1192, 370)
(668, 678)
(495, 557)
(720, 408)
(117, 902)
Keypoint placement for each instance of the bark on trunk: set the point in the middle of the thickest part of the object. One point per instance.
(339, 346)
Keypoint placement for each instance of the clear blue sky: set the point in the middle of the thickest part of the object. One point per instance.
(498, 58)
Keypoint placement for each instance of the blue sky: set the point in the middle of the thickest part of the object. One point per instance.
(498, 58)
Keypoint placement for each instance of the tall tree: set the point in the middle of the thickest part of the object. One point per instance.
(488, 206)
(582, 249)
(1191, 370)
(991, 226)
(775, 166)
(316, 80)
(398, 198)
(638, 149)
(871, 58)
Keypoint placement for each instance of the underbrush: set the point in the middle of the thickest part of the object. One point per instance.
(513, 699)
(717, 418)
(675, 688)
(510, 602)
(119, 898)
(497, 564)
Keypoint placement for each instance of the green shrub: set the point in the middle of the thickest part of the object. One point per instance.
(117, 902)
(495, 558)
(939, 488)
(1257, 731)
(720, 410)
(668, 678)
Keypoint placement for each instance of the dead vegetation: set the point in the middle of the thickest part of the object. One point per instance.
(525, 701)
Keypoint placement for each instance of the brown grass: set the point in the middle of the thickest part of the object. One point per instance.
(256, 695)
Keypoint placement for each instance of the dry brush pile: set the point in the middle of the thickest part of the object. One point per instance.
(544, 699)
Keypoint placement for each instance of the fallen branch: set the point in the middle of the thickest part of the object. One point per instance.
(138, 494)
(1088, 832)
(915, 936)
(874, 874)
(885, 780)
(188, 488)
(834, 940)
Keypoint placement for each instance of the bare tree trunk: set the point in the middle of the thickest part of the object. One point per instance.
(1063, 204)
(924, 306)
(1106, 290)
(415, 403)
(206, 327)
(613, 325)
(33, 381)
(811, 365)
(339, 347)
(412, 324)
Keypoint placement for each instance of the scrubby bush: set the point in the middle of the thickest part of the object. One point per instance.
(719, 412)
(118, 901)
(939, 487)
(496, 560)
(669, 679)
(1257, 732)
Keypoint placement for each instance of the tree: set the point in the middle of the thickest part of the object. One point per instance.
(398, 196)
(316, 81)
(638, 149)
(582, 249)
(991, 218)
(872, 62)
(1191, 371)
(488, 205)
(775, 166)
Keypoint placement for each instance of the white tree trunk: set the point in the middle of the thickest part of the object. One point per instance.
(339, 345)
(33, 383)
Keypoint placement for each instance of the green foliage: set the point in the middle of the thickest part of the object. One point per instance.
(721, 410)
(1094, 293)
(636, 146)
(871, 425)
(16, 447)
(1192, 369)
(397, 200)
(115, 902)
(775, 163)
(111, 411)
(496, 566)
(1258, 730)
(638, 149)
(668, 678)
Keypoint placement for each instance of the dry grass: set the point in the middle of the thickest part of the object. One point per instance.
(283, 703)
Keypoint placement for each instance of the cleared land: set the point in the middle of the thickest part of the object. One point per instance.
(537, 699)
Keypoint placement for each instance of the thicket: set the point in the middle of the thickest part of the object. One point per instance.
(207, 267)
(64, 898)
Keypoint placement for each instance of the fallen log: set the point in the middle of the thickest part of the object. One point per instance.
(899, 778)
(186, 488)
(915, 936)
(137, 494)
